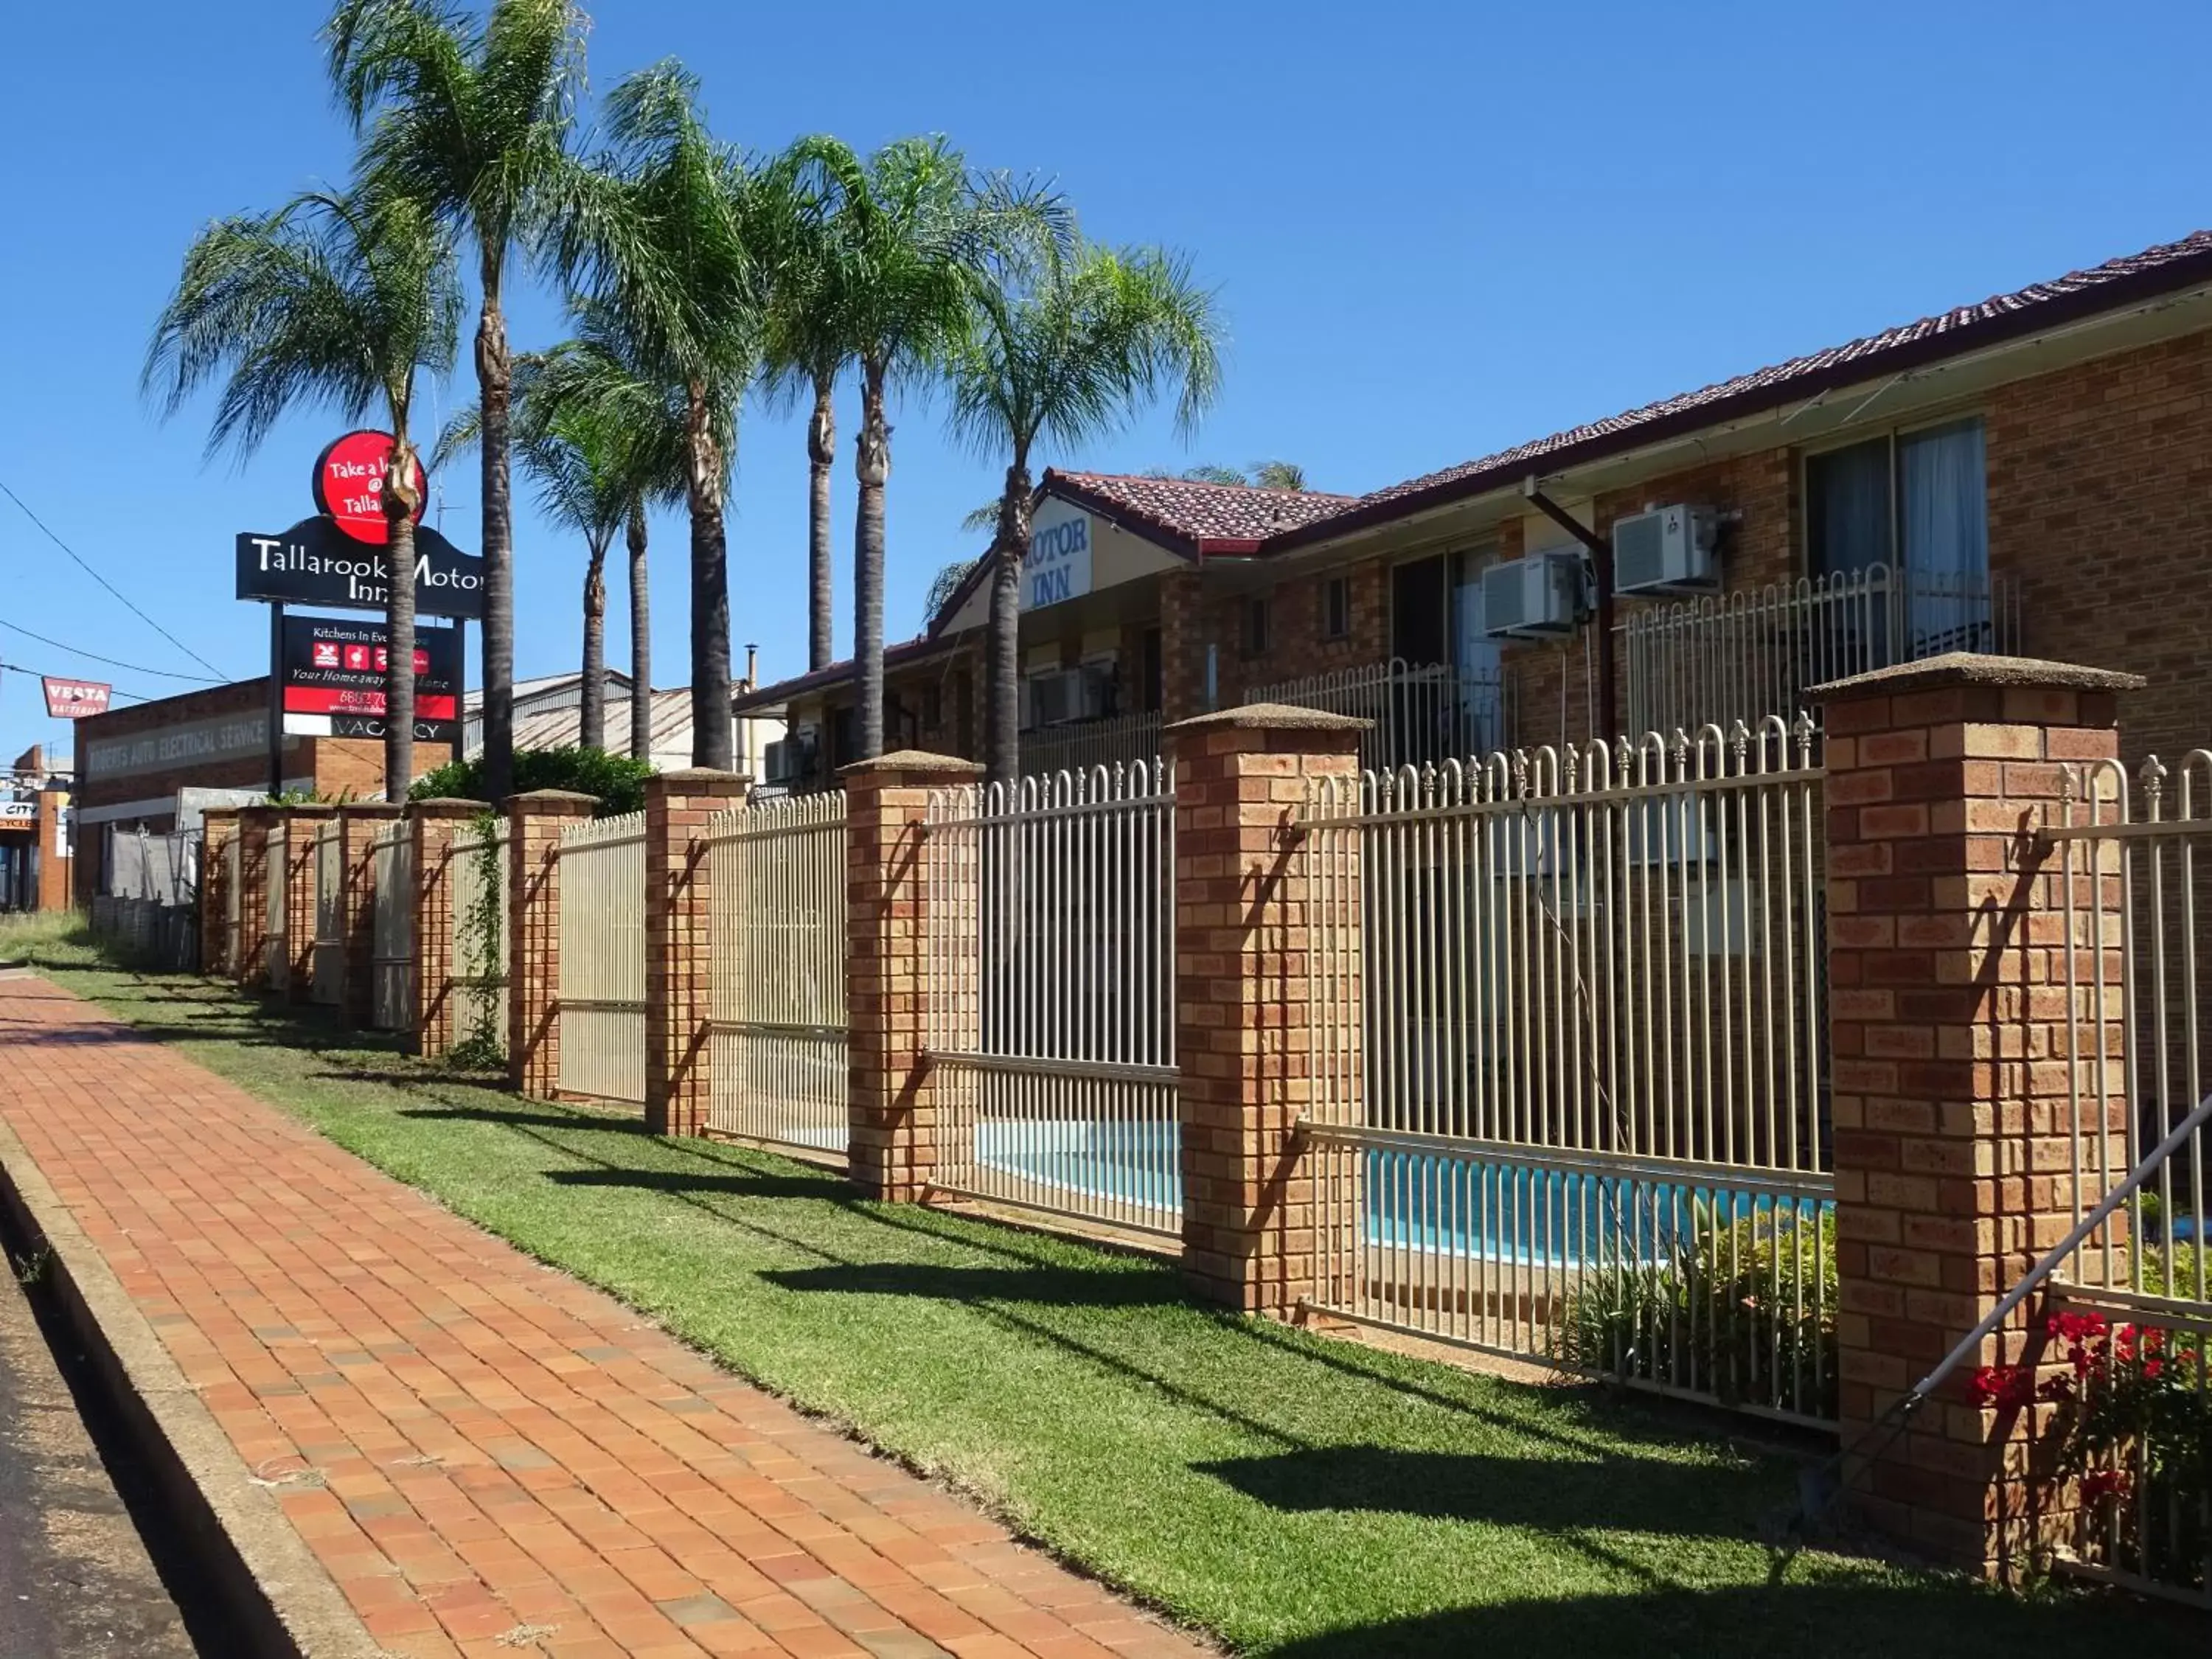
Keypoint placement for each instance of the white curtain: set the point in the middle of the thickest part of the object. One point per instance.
(1940, 476)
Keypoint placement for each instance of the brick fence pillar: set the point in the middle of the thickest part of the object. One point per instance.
(678, 901)
(306, 825)
(436, 823)
(254, 823)
(218, 834)
(1244, 1019)
(535, 823)
(1951, 1068)
(360, 823)
(893, 1120)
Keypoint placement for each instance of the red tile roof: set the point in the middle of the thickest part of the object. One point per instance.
(1193, 514)
(2129, 279)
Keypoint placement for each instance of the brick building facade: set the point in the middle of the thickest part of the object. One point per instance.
(133, 761)
(2073, 526)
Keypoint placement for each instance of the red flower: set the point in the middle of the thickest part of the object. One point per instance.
(2152, 1367)
(2101, 1485)
(2006, 1387)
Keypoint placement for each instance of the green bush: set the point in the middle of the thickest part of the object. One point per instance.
(1743, 1310)
(616, 780)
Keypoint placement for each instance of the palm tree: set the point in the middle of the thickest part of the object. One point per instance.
(808, 345)
(660, 239)
(471, 119)
(1260, 475)
(1066, 357)
(913, 236)
(336, 300)
(603, 445)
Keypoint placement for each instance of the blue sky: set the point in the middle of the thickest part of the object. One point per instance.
(1436, 230)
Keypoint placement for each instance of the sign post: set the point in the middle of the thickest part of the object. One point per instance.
(337, 560)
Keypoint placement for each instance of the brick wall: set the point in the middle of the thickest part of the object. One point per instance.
(2100, 509)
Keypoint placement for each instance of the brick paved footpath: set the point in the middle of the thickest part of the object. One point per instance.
(509, 1462)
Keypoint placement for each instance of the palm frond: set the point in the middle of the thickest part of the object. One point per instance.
(330, 302)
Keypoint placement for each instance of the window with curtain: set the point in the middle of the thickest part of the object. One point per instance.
(1915, 501)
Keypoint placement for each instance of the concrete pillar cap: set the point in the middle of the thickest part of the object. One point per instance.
(1958, 668)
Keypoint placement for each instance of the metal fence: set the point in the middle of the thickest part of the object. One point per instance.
(234, 900)
(2136, 1421)
(777, 943)
(1754, 653)
(328, 962)
(1570, 1104)
(1049, 930)
(602, 950)
(276, 951)
(1125, 740)
(1421, 715)
(478, 863)
(391, 945)
(148, 896)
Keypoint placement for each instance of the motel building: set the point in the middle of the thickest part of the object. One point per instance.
(2025, 476)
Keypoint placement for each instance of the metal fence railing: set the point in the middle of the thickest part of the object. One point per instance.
(1125, 740)
(1420, 715)
(602, 950)
(276, 951)
(391, 945)
(328, 962)
(233, 899)
(1571, 1105)
(1050, 970)
(1752, 653)
(2131, 1308)
(477, 862)
(777, 944)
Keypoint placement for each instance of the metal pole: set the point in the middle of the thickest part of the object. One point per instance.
(276, 697)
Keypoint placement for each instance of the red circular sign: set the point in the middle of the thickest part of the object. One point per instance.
(349, 484)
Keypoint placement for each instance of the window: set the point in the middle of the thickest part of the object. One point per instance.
(1336, 608)
(1255, 628)
(1916, 502)
(932, 706)
(1155, 673)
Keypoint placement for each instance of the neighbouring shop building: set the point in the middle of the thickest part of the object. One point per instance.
(2023, 476)
(134, 764)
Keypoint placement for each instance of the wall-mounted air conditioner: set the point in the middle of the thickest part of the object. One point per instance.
(1069, 695)
(1540, 596)
(1669, 549)
(790, 759)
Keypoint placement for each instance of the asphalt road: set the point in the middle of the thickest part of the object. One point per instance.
(75, 1580)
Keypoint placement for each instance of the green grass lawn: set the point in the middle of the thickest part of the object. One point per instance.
(1294, 1495)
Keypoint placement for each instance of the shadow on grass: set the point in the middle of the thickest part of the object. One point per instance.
(518, 1117)
(1621, 1494)
(1062, 1287)
(1803, 1620)
(739, 1183)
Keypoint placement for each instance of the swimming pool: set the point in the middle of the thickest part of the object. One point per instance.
(1495, 1210)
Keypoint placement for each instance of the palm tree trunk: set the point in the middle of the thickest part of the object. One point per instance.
(872, 465)
(710, 596)
(821, 455)
(1002, 745)
(401, 500)
(495, 385)
(640, 640)
(592, 718)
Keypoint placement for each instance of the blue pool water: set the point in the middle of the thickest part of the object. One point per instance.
(1498, 1212)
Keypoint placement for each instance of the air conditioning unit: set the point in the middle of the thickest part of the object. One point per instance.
(1069, 695)
(1669, 549)
(1540, 596)
(790, 760)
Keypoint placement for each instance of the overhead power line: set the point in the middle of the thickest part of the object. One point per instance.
(39, 673)
(125, 598)
(112, 662)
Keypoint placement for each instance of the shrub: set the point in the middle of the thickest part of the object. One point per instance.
(1744, 1310)
(616, 780)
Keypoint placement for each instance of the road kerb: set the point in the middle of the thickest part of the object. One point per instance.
(282, 1600)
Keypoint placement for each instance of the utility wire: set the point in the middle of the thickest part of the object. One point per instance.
(112, 662)
(17, 668)
(112, 589)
